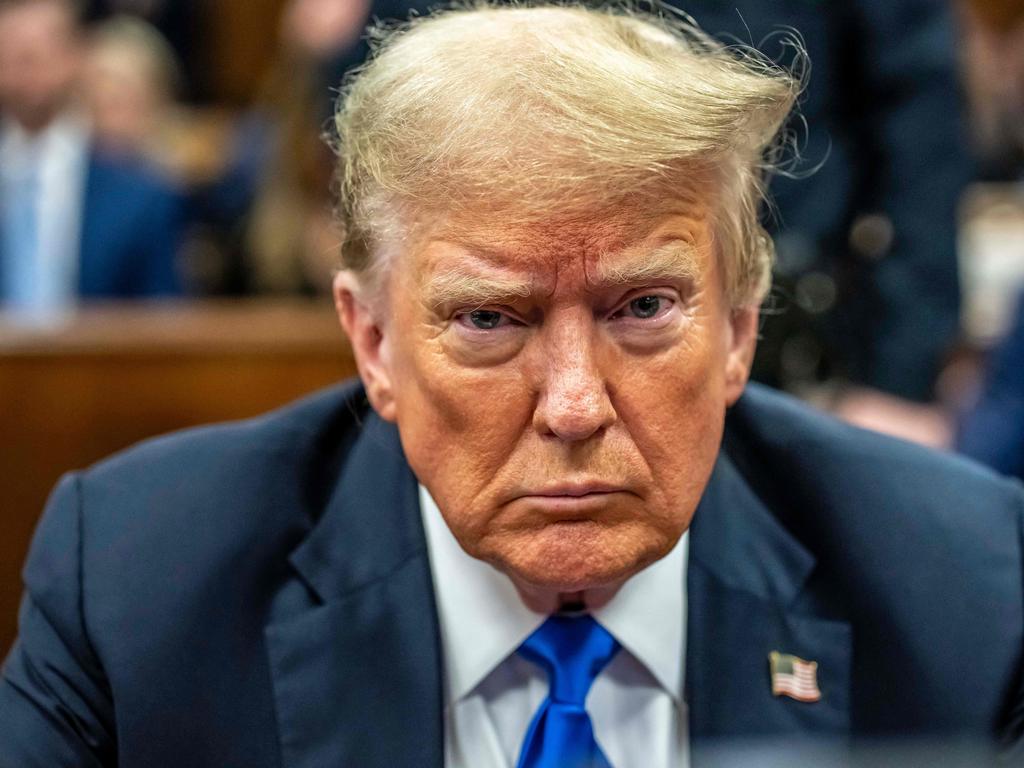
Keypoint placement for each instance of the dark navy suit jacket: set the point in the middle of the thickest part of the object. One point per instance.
(259, 594)
(993, 431)
(132, 226)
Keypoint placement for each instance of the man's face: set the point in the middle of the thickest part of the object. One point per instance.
(39, 60)
(559, 389)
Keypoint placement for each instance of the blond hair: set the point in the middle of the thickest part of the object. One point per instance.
(530, 111)
(146, 48)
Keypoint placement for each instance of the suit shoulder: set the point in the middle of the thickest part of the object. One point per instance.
(191, 530)
(828, 459)
(905, 537)
(232, 467)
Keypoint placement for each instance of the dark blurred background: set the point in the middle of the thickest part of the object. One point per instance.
(167, 243)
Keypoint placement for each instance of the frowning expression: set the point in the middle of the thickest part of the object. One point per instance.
(560, 389)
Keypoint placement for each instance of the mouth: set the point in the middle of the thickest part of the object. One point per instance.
(571, 500)
(575, 490)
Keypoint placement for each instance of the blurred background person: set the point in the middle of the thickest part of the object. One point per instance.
(184, 25)
(278, 184)
(130, 80)
(290, 238)
(993, 429)
(991, 418)
(131, 84)
(866, 280)
(993, 65)
(74, 221)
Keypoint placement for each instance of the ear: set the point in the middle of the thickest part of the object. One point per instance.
(369, 344)
(743, 325)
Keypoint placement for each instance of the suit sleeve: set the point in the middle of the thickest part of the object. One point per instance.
(1011, 732)
(55, 704)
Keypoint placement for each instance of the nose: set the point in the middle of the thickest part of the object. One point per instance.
(574, 402)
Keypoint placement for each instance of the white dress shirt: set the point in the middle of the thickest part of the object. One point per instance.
(491, 693)
(56, 159)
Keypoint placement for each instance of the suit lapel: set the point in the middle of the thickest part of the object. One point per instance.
(357, 676)
(748, 594)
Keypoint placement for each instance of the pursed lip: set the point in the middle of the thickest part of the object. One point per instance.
(574, 490)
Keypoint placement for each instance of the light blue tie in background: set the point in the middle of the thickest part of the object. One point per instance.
(573, 651)
(19, 252)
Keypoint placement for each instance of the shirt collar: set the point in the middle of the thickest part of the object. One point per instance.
(67, 122)
(648, 617)
(67, 133)
(483, 620)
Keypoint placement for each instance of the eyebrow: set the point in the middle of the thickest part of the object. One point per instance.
(673, 262)
(456, 287)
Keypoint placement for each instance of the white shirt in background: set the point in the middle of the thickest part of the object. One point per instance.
(58, 158)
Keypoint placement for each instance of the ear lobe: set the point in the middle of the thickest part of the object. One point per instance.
(740, 357)
(369, 344)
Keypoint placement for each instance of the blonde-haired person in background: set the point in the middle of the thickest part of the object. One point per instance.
(291, 239)
(530, 535)
(130, 80)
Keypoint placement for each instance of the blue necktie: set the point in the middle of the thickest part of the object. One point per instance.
(573, 651)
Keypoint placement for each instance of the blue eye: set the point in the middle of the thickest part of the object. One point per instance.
(485, 319)
(645, 306)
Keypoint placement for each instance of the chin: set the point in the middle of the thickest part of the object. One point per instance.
(579, 556)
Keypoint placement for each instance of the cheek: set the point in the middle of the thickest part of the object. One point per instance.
(673, 407)
(459, 427)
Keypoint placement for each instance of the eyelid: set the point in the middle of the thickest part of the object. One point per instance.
(662, 292)
(511, 317)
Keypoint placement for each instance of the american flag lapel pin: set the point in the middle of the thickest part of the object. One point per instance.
(794, 677)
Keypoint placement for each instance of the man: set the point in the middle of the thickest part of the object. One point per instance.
(535, 549)
(73, 223)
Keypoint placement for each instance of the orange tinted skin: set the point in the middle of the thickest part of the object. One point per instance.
(568, 441)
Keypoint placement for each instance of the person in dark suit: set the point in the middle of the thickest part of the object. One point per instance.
(992, 430)
(284, 614)
(876, 222)
(73, 221)
(531, 535)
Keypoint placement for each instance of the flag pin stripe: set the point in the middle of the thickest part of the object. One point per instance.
(794, 677)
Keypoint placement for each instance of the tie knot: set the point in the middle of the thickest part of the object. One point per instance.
(573, 650)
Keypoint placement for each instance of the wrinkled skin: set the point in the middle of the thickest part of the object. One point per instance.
(566, 424)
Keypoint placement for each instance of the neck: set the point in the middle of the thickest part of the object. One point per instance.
(549, 601)
(35, 123)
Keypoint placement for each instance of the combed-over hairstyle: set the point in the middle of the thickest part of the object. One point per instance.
(526, 112)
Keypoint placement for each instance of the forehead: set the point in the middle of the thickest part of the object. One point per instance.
(37, 22)
(38, 13)
(563, 242)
